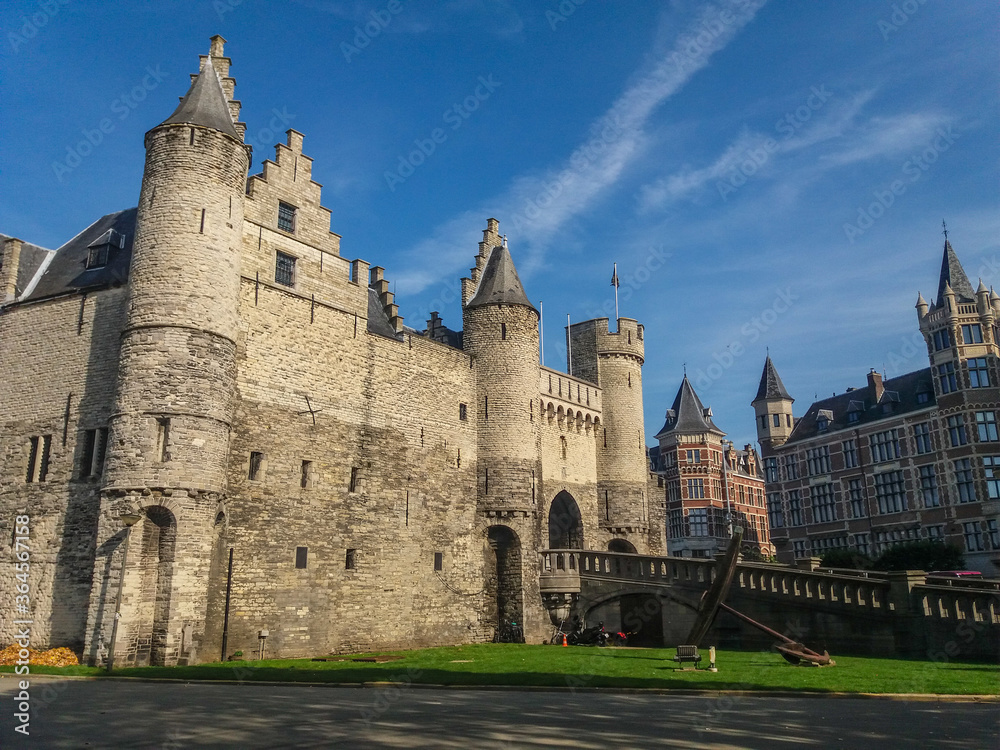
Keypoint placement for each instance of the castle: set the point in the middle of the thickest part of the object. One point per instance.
(210, 413)
(915, 457)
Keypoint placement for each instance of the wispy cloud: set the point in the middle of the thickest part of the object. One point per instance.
(538, 205)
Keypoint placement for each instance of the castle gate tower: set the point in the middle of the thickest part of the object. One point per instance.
(169, 432)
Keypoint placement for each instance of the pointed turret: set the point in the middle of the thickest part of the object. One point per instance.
(922, 306)
(205, 104)
(773, 409)
(687, 414)
(770, 383)
(953, 277)
(499, 283)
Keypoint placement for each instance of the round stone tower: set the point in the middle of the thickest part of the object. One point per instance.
(622, 465)
(169, 431)
(178, 359)
(501, 336)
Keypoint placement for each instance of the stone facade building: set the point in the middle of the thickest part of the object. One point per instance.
(915, 457)
(709, 485)
(300, 461)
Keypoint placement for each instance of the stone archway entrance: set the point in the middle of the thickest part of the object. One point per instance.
(504, 580)
(154, 562)
(565, 523)
(621, 545)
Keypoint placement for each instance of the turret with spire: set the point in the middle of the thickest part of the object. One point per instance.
(773, 409)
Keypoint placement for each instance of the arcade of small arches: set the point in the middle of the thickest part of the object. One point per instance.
(579, 420)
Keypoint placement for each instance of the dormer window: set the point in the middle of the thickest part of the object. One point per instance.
(923, 397)
(99, 251)
(286, 217)
(822, 424)
(853, 416)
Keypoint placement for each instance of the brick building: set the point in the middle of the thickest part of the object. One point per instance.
(209, 366)
(709, 485)
(914, 457)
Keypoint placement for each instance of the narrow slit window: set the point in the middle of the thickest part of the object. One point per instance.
(163, 438)
(463, 412)
(351, 561)
(39, 447)
(503, 331)
(353, 486)
(301, 557)
(256, 465)
(438, 561)
(306, 479)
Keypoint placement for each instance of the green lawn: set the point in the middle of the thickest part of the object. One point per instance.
(578, 666)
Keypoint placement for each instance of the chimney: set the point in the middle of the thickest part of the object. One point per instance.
(875, 383)
(9, 263)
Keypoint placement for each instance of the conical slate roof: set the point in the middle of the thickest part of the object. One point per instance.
(770, 384)
(952, 273)
(205, 104)
(688, 414)
(500, 284)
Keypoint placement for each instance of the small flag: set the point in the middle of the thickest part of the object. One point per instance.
(614, 277)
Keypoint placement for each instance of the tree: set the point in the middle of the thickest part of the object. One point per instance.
(921, 556)
(845, 558)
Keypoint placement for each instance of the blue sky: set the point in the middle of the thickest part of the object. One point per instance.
(765, 174)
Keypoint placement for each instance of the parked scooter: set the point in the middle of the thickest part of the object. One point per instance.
(593, 636)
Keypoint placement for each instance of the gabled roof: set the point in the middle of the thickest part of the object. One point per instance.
(68, 272)
(499, 284)
(953, 274)
(205, 104)
(770, 384)
(898, 397)
(688, 415)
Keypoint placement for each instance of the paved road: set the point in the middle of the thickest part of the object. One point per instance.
(121, 714)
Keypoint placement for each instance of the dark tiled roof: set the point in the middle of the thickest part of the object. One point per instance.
(32, 257)
(500, 284)
(68, 272)
(687, 413)
(952, 273)
(378, 321)
(205, 104)
(900, 397)
(770, 384)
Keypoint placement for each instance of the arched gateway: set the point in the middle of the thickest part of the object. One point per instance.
(565, 523)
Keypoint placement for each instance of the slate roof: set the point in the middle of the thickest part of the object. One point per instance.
(378, 320)
(899, 397)
(205, 104)
(32, 257)
(688, 414)
(770, 384)
(952, 273)
(68, 272)
(499, 284)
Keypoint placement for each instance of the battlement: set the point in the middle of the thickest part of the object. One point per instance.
(589, 340)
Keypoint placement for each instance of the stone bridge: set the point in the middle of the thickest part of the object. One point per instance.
(902, 613)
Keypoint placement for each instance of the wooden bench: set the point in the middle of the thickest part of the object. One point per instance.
(687, 653)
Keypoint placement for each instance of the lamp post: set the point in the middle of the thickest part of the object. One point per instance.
(130, 520)
(725, 490)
